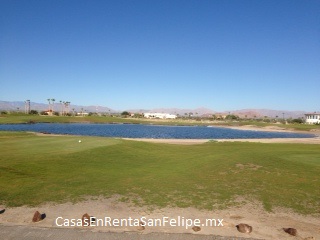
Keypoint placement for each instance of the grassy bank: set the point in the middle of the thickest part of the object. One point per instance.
(38, 169)
(23, 118)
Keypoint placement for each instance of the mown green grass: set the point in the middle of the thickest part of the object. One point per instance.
(38, 169)
(24, 118)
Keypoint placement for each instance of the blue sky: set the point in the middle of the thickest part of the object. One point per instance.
(223, 55)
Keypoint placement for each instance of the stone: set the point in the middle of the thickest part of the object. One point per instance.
(291, 231)
(244, 228)
(196, 229)
(85, 220)
(38, 217)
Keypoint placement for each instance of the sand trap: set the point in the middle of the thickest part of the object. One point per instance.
(201, 141)
(265, 225)
(276, 140)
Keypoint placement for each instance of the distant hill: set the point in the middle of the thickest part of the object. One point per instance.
(195, 112)
(14, 106)
(249, 113)
(269, 113)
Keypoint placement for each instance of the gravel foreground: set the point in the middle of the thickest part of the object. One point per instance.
(34, 233)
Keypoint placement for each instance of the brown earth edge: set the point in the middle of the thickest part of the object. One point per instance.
(266, 225)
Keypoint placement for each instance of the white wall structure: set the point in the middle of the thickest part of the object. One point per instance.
(312, 118)
(160, 115)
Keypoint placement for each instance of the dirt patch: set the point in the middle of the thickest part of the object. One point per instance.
(265, 225)
(249, 166)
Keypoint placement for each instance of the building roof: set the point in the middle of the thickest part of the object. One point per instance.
(312, 114)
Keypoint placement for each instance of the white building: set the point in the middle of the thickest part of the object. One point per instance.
(312, 118)
(160, 115)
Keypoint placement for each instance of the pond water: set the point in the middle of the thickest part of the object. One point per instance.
(148, 131)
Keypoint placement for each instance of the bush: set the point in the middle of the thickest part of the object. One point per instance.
(232, 117)
(125, 113)
(297, 120)
(34, 112)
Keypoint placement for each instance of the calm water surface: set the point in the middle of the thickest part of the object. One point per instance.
(147, 131)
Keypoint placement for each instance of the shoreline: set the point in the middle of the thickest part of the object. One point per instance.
(312, 140)
(315, 140)
(270, 129)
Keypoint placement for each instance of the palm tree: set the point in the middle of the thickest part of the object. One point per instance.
(64, 107)
(49, 104)
(53, 100)
(67, 107)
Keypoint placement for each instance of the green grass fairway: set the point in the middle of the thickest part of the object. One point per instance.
(37, 169)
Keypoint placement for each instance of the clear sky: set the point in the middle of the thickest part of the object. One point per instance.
(219, 54)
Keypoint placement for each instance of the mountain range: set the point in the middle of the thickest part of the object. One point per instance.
(20, 106)
(249, 113)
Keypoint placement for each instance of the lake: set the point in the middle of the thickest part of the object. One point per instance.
(148, 131)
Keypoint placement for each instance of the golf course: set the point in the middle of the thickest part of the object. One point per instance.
(267, 183)
(214, 175)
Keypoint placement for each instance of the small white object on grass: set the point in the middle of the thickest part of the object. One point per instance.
(79, 141)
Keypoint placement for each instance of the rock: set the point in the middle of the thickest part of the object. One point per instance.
(38, 217)
(196, 229)
(291, 231)
(2, 211)
(141, 226)
(85, 220)
(244, 228)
